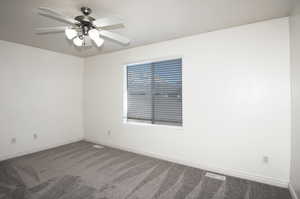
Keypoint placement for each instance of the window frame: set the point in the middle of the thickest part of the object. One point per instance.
(144, 123)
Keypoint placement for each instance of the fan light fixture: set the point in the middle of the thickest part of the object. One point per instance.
(70, 33)
(95, 36)
(84, 30)
(78, 41)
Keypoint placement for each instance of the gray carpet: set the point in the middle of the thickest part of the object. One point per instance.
(79, 171)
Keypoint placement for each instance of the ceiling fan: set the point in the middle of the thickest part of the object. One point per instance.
(84, 29)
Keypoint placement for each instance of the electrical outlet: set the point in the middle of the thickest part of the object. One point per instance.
(265, 159)
(35, 136)
(13, 140)
(108, 132)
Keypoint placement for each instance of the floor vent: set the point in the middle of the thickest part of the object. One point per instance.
(215, 176)
(98, 146)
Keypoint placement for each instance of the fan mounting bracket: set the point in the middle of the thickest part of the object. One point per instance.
(86, 11)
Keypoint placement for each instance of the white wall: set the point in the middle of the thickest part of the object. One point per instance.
(236, 101)
(295, 77)
(40, 92)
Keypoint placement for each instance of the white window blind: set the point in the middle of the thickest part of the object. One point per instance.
(154, 92)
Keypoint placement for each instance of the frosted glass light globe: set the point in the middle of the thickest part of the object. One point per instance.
(95, 36)
(78, 42)
(70, 33)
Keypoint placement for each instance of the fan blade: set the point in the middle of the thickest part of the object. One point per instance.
(50, 29)
(59, 18)
(112, 27)
(114, 36)
(56, 15)
(50, 11)
(109, 21)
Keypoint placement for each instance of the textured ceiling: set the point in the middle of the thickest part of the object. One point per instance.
(145, 21)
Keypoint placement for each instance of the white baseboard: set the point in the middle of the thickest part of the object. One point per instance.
(292, 191)
(34, 150)
(229, 172)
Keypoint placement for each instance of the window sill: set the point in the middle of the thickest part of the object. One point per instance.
(151, 125)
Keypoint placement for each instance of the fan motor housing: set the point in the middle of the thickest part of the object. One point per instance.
(85, 21)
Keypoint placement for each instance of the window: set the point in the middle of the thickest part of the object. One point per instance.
(154, 92)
